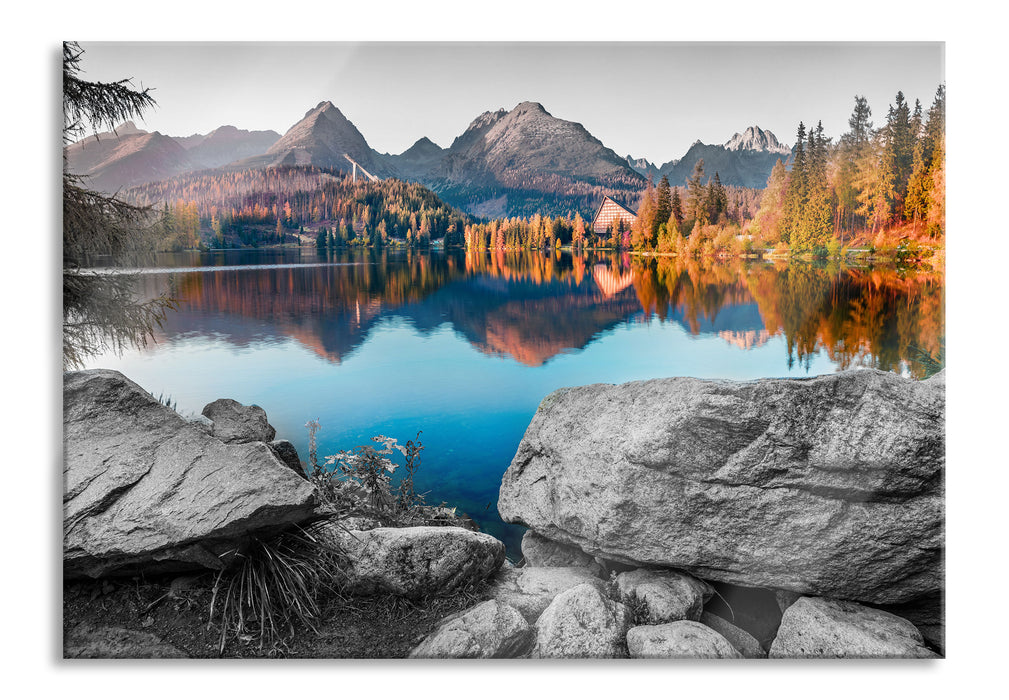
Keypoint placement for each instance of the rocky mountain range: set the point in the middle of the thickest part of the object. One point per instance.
(506, 163)
(744, 160)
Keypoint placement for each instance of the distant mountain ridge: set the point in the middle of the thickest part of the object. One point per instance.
(506, 163)
(131, 156)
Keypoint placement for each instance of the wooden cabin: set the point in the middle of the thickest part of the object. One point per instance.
(609, 212)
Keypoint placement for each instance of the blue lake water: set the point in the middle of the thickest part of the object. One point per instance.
(464, 346)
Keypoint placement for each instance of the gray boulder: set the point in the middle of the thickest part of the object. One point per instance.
(824, 628)
(582, 623)
(91, 641)
(531, 589)
(685, 639)
(744, 642)
(490, 630)
(236, 423)
(143, 488)
(831, 485)
(288, 454)
(415, 562)
(663, 596)
(540, 551)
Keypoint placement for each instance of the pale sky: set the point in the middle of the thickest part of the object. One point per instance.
(649, 100)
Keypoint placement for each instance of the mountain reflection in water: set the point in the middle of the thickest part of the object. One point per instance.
(464, 346)
(531, 307)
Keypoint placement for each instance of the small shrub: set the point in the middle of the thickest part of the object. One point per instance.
(361, 481)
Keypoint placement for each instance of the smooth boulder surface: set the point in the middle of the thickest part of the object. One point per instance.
(540, 551)
(831, 485)
(824, 628)
(236, 423)
(531, 589)
(417, 561)
(582, 623)
(663, 596)
(145, 488)
(490, 630)
(685, 639)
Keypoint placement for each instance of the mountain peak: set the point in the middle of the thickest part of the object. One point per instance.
(530, 108)
(423, 147)
(128, 127)
(324, 107)
(756, 139)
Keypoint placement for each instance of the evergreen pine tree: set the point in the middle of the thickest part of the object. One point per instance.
(795, 194)
(676, 208)
(897, 156)
(697, 195)
(663, 202)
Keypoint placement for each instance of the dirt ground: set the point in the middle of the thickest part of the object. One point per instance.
(176, 611)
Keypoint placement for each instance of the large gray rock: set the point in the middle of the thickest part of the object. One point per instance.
(582, 623)
(539, 551)
(490, 630)
(415, 562)
(143, 488)
(824, 628)
(831, 485)
(663, 596)
(531, 589)
(234, 422)
(685, 639)
(91, 641)
(744, 642)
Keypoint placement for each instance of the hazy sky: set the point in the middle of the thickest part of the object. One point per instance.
(649, 100)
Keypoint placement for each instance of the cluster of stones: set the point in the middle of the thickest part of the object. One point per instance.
(561, 605)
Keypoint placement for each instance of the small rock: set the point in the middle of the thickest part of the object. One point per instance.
(531, 589)
(663, 596)
(288, 454)
(582, 623)
(91, 641)
(786, 598)
(490, 630)
(235, 423)
(825, 628)
(540, 551)
(414, 562)
(685, 639)
(744, 642)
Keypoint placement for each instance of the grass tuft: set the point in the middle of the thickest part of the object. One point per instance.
(276, 586)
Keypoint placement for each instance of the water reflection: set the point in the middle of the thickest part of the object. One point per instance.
(531, 307)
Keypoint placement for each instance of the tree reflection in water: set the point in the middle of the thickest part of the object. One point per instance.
(531, 306)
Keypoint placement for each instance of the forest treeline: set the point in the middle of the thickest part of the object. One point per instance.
(264, 207)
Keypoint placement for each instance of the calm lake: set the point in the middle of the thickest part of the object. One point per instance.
(464, 346)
